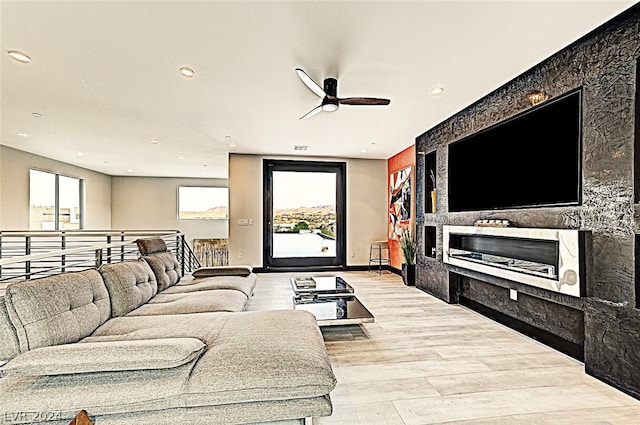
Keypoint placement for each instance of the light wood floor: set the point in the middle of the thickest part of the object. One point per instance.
(427, 362)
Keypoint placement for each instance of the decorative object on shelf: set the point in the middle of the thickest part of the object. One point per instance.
(434, 203)
(491, 223)
(434, 195)
(408, 248)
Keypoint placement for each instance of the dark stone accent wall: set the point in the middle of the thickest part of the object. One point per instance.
(613, 353)
(529, 309)
(604, 64)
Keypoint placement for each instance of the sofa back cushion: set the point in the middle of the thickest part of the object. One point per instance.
(9, 345)
(165, 267)
(149, 246)
(58, 309)
(130, 284)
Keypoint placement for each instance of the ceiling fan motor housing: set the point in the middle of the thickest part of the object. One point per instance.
(331, 87)
(330, 101)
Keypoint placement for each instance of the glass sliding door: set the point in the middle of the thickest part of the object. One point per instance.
(304, 213)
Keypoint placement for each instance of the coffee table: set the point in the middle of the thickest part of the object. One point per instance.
(330, 299)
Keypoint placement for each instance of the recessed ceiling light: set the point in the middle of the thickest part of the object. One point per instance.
(154, 141)
(36, 114)
(437, 90)
(180, 157)
(19, 56)
(80, 153)
(130, 170)
(21, 134)
(363, 150)
(187, 72)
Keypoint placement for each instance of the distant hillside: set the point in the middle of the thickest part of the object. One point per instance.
(215, 213)
(320, 209)
(319, 217)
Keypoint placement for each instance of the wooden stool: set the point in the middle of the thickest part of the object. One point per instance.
(379, 254)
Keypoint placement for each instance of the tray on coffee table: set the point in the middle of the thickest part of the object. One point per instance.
(320, 285)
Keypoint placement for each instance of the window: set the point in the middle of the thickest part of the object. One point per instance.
(203, 203)
(55, 201)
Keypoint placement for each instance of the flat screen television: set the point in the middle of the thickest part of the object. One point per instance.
(533, 159)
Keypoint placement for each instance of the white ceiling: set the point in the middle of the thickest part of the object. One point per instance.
(104, 75)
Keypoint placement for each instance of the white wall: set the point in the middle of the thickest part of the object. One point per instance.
(151, 203)
(14, 189)
(134, 203)
(366, 206)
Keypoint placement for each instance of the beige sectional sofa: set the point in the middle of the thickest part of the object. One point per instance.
(135, 342)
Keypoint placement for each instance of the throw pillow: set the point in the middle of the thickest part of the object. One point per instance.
(222, 271)
(109, 356)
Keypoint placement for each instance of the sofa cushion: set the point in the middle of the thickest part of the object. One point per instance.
(203, 326)
(222, 271)
(149, 246)
(101, 393)
(251, 356)
(9, 345)
(245, 284)
(130, 284)
(165, 267)
(193, 302)
(283, 357)
(57, 309)
(106, 357)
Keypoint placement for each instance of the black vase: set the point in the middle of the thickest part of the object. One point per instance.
(409, 274)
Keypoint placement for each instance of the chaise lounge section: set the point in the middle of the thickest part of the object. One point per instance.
(113, 343)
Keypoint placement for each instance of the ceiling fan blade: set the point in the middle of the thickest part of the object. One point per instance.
(363, 101)
(313, 86)
(312, 112)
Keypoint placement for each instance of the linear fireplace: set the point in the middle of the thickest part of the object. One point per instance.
(552, 259)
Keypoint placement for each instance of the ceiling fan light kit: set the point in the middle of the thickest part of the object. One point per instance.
(329, 94)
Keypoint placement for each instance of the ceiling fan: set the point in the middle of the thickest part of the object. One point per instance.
(330, 99)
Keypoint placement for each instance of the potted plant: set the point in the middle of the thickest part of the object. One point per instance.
(408, 247)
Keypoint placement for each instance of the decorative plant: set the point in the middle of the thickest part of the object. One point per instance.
(408, 246)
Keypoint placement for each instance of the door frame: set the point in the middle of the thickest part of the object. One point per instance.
(340, 169)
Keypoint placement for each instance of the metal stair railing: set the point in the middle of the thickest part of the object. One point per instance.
(187, 259)
(27, 255)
